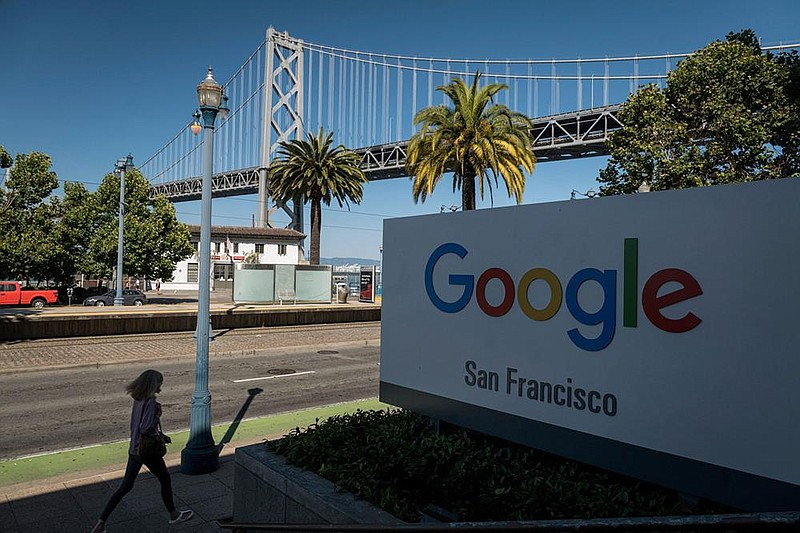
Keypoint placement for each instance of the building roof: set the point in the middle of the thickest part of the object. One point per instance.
(247, 232)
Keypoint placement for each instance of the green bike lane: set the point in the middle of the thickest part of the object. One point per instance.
(113, 455)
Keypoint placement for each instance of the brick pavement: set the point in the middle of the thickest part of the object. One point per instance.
(80, 351)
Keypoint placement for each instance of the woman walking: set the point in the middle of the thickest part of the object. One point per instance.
(145, 420)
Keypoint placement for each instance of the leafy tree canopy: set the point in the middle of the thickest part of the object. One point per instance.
(154, 240)
(728, 114)
(5, 158)
(28, 246)
(49, 238)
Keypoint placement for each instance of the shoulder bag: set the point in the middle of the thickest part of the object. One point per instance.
(152, 446)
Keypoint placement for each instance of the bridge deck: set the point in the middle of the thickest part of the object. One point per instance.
(555, 138)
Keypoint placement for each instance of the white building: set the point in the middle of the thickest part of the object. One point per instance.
(231, 245)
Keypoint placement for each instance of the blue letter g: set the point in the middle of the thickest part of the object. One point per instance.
(465, 280)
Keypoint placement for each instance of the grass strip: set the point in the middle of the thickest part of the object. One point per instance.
(15, 471)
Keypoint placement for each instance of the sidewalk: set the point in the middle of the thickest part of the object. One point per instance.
(71, 502)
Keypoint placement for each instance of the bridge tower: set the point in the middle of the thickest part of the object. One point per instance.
(283, 114)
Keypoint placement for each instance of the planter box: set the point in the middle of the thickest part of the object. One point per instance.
(269, 490)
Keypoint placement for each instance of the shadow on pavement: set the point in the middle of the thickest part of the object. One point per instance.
(251, 394)
(161, 300)
(75, 505)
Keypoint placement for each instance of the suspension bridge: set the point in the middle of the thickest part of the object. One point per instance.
(288, 87)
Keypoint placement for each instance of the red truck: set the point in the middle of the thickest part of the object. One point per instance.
(12, 293)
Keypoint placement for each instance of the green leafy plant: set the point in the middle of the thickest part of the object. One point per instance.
(396, 461)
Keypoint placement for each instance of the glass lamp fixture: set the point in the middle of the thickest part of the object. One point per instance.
(224, 110)
(196, 127)
(209, 92)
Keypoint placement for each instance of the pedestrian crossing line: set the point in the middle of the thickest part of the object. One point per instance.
(273, 377)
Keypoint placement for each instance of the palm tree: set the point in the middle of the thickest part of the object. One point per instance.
(474, 138)
(313, 171)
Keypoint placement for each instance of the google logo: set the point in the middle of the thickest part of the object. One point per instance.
(652, 302)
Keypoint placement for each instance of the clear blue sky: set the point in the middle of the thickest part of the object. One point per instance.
(89, 81)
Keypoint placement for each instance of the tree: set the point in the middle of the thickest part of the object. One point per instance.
(728, 114)
(314, 171)
(154, 240)
(475, 138)
(78, 212)
(29, 248)
(787, 163)
(51, 238)
(5, 158)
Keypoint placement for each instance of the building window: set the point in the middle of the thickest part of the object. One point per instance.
(236, 247)
(196, 245)
(223, 271)
(281, 249)
(259, 248)
(216, 247)
(191, 273)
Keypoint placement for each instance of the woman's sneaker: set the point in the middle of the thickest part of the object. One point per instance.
(182, 517)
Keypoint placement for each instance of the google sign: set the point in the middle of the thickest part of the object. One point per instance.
(653, 334)
(652, 303)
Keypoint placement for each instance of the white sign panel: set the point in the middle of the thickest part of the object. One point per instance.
(666, 321)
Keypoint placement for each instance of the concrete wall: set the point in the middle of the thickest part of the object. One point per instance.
(43, 326)
(269, 490)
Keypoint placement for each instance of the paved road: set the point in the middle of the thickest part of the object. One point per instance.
(62, 393)
(172, 299)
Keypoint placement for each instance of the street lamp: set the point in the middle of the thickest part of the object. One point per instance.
(122, 166)
(588, 194)
(201, 455)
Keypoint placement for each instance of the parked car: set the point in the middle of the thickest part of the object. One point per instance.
(129, 297)
(13, 293)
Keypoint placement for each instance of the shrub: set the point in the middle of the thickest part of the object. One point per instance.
(396, 461)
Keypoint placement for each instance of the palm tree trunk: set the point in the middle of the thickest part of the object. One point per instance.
(468, 192)
(316, 229)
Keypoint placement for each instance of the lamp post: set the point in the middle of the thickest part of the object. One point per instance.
(201, 455)
(122, 166)
(380, 285)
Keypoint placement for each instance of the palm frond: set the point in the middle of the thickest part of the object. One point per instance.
(474, 139)
(316, 171)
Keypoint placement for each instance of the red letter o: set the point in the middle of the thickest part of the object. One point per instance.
(508, 286)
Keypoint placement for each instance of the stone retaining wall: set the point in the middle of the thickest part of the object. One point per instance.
(269, 490)
(43, 326)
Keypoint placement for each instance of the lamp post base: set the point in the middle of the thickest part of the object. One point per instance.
(199, 461)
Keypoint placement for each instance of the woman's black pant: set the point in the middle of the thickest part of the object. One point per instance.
(157, 467)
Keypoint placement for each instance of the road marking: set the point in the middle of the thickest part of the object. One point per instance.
(273, 377)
